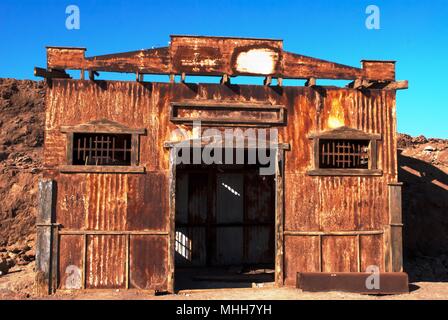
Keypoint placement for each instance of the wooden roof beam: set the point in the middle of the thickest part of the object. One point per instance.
(267, 81)
(51, 73)
(225, 79)
(296, 66)
(361, 84)
(311, 82)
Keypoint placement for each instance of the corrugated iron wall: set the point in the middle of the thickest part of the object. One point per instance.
(116, 226)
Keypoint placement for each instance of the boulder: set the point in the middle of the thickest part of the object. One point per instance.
(30, 255)
(4, 266)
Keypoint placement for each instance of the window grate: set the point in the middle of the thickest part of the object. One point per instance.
(344, 154)
(102, 149)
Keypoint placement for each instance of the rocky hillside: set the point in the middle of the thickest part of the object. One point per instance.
(21, 138)
(423, 169)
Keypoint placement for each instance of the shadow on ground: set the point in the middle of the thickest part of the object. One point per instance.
(425, 219)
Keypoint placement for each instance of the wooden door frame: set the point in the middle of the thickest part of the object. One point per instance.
(279, 215)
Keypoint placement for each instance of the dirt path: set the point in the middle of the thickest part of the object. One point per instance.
(19, 285)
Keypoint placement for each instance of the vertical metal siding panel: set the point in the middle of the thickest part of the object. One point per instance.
(371, 248)
(339, 254)
(303, 256)
(71, 249)
(147, 202)
(107, 206)
(106, 262)
(301, 202)
(148, 262)
(70, 207)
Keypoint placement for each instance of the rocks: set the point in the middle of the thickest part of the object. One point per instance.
(3, 267)
(420, 140)
(18, 248)
(4, 155)
(21, 137)
(19, 254)
(30, 255)
(429, 149)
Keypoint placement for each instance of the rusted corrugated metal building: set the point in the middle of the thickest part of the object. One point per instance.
(116, 210)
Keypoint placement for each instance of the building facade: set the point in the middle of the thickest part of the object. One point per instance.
(119, 211)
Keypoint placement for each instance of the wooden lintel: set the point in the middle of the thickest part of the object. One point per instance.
(101, 169)
(344, 172)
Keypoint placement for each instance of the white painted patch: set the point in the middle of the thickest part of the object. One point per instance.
(334, 122)
(260, 61)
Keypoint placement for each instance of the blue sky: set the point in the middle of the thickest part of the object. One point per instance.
(415, 33)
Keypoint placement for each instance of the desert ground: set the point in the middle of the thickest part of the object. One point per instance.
(19, 285)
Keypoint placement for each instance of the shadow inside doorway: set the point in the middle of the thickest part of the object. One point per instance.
(222, 277)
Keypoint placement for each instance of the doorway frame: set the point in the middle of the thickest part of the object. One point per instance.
(279, 183)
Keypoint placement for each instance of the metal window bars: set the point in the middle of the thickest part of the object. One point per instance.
(102, 149)
(344, 154)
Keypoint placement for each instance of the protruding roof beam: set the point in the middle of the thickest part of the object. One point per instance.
(267, 81)
(51, 73)
(225, 79)
(311, 82)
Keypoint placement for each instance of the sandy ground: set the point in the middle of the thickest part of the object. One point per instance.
(19, 285)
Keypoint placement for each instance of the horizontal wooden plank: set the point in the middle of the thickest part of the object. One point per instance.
(344, 172)
(95, 232)
(102, 126)
(238, 114)
(227, 105)
(333, 233)
(345, 133)
(101, 169)
(301, 67)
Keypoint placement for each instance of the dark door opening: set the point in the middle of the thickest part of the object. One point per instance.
(225, 234)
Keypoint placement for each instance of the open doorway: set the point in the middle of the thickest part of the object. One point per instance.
(225, 226)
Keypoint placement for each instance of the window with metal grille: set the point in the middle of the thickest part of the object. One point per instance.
(99, 149)
(344, 154)
(345, 151)
(102, 146)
